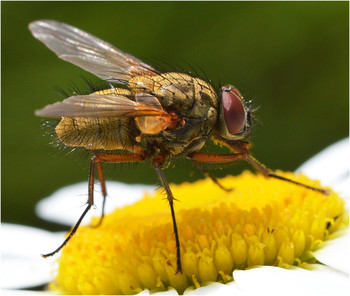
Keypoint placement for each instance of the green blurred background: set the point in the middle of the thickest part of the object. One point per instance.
(291, 58)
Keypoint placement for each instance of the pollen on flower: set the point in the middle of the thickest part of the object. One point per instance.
(261, 222)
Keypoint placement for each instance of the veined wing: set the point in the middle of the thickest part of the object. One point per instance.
(89, 52)
(97, 105)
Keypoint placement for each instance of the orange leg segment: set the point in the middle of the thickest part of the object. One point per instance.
(216, 158)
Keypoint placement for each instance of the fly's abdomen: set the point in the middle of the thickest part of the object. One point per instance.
(114, 91)
(98, 133)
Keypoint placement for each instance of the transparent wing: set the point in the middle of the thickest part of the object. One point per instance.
(89, 52)
(96, 105)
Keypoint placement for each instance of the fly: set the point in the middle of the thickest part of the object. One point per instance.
(158, 116)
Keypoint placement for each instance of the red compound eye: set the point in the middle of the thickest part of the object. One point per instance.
(234, 112)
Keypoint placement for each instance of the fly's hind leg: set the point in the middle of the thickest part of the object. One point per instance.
(104, 191)
(90, 202)
(96, 159)
(111, 157)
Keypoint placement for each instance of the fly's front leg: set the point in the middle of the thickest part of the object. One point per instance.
(243, 147)
(210, 158)
(158, 162)
(97, 159)
(266, 172)
(207, 173)
(216, 158)
(243, 153)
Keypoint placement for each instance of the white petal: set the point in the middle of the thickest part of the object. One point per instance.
(170, 291)
(24, 293)
(144, 292)
(331, 166)
(216, 289)
(278, 281)
(329, 273)
(26, 242)
(335, 253)
(22, 265)
(66, 205)
(24, 273)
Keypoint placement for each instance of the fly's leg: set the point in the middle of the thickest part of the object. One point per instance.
(97, 159)
(244, 154)
(266, 172)
(90, 202)
(243, 147)
(158, 161)
(216, 181)
(210, 158)
(106, 157)
(216, 158)
(104, 191)
(207, 173)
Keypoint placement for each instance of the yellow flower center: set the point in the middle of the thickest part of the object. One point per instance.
(260, 222)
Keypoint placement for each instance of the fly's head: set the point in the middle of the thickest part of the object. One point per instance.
(235, 117)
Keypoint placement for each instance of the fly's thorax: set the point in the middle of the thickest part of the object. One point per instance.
(176, 90)
(98, 133)
(205, 92)
(142, 84)
(192, 99)
(181, 91)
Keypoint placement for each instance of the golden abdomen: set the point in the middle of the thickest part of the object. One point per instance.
(98, 133)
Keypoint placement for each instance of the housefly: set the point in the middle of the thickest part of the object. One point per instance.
(157, 116)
